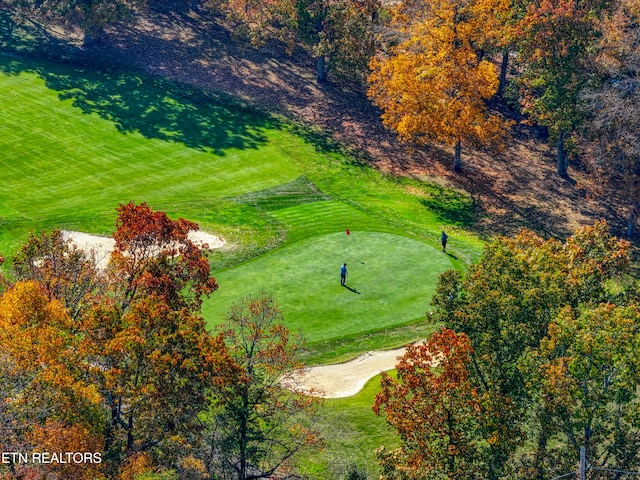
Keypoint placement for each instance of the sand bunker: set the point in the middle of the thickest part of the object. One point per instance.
(343, 379)
(100, 247)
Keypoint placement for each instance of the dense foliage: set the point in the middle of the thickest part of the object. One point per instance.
(544, 362)
(436, 67)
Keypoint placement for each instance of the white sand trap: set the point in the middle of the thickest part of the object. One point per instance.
(343, 379)
(100, 248)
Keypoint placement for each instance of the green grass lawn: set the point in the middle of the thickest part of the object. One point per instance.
(76, 142)
(390, 281)
(345, 423)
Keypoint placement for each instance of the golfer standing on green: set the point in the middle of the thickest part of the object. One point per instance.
(343, 274)
(443, 238)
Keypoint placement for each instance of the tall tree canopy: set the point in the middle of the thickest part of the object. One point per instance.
(613, 124)
(336, 33)
(584, 380)
(556, 40)
(257, 426)
(504, 307)
(434, 85)
(136, 357)
(91, 16)
(435, 410)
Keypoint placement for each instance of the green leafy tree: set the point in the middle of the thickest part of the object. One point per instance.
(556, 40)
(584, 377)
(257, 426)
(505, 303)
(336, 33)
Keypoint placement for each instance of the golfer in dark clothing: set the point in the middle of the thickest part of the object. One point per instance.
(343, 274)
(444, 239)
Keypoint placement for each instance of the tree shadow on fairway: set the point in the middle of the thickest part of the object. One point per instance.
(153, 107)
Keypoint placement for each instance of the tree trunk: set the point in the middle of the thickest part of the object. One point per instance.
(130, 439)
(503, 71)
(631, 220)
(457, 162)
(243, 433)
(561, 159)
(321, 70)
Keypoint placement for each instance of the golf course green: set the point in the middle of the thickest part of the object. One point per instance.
(77, 141)
(390, 281)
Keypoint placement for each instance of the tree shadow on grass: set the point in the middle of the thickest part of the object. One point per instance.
(152, 107)
(451, 206)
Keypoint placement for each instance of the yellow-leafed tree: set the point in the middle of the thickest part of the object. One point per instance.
(434, 84)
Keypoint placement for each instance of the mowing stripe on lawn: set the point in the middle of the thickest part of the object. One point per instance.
(74, 143)
(312, 219)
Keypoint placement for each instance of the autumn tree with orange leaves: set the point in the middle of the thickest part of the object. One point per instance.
(47, 400)
(436, 411)
(434, 85)
(132, 367)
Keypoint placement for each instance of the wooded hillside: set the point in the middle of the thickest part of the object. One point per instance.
(562, 105)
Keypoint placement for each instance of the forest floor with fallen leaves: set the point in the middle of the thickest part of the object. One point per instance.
(514, 189)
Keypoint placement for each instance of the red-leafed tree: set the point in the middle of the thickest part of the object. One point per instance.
(154, 256)
(154, 358)
(137, 345)
(435, 409)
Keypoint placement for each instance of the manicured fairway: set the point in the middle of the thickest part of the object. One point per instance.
(391, 279)
(74, 143)
(77, 141)
(346, 422)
